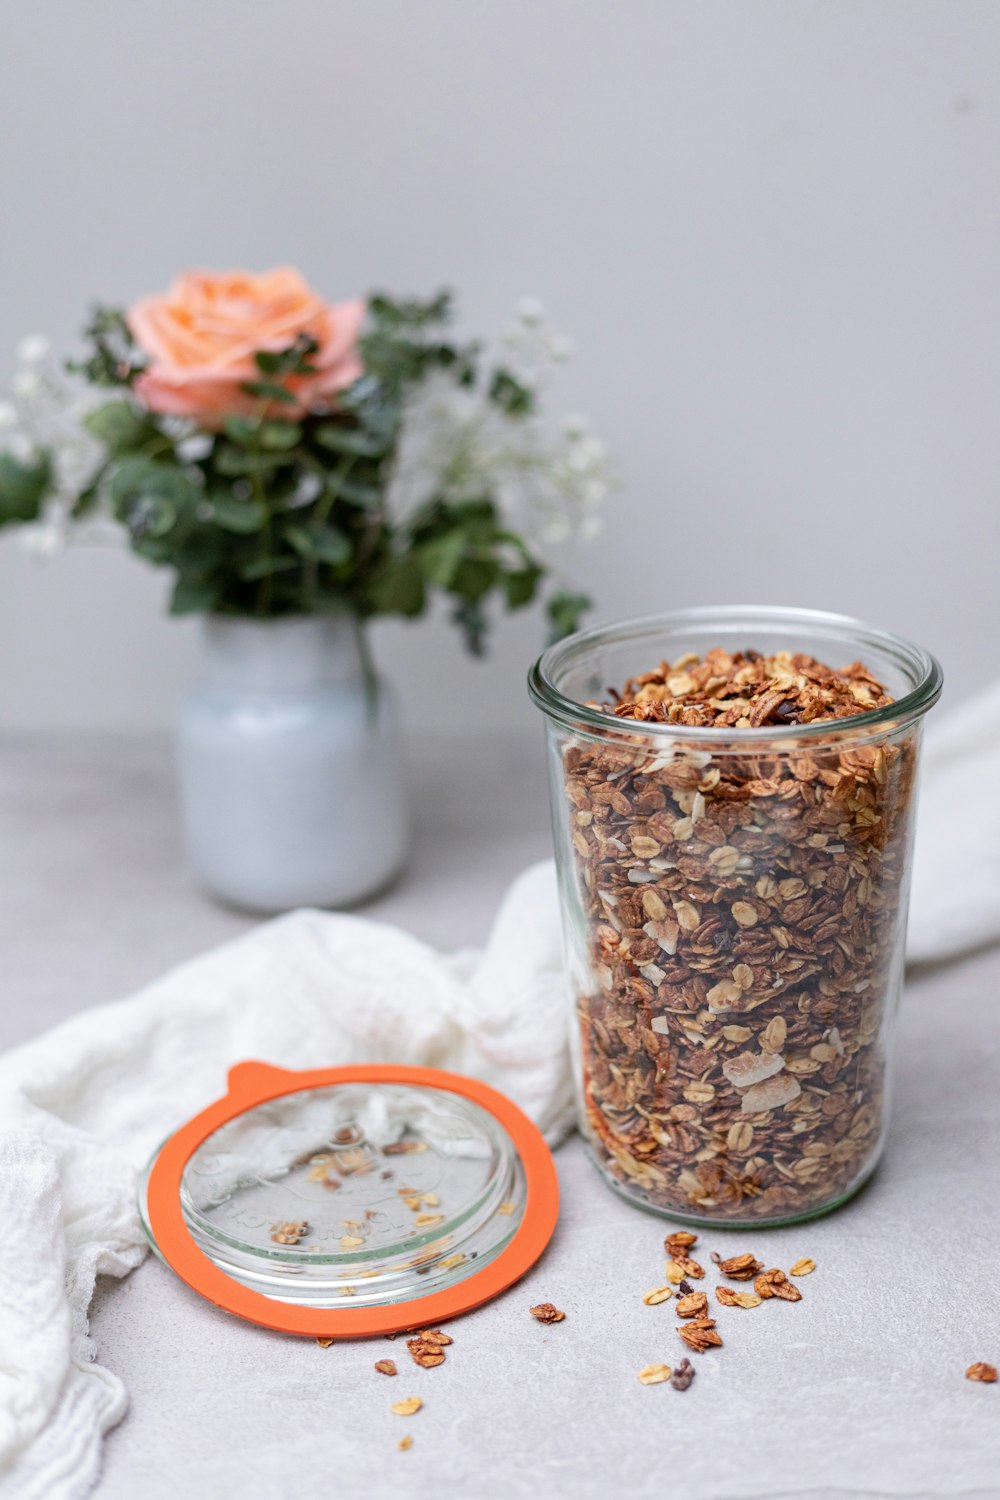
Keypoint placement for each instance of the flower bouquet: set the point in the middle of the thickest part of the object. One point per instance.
(302, 467)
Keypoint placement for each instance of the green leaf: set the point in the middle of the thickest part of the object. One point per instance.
(397, 587)
(121, 426)
(271, 363)
(266, 567)
(267, 388)
(280, 435)
(148, 496)
(194, 596)
(320, 543)
(351, 440)
(23, 487)
(242, 431)
(474, 577)
(439, 558)
(240, 516)
(511, 395)
(234, 461)
(521, 586)
(564, 611)
(471, 618)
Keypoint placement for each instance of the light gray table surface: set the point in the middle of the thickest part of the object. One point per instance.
(856, 1390)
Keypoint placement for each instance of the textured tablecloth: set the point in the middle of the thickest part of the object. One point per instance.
(858, 1389)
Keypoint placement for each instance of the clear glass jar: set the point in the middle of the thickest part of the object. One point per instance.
(734, 907)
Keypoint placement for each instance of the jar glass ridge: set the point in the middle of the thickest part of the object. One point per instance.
(734, 909)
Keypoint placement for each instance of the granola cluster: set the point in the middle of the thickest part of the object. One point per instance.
(740, 945)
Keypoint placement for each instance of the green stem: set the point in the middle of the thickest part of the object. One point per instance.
(368, 672)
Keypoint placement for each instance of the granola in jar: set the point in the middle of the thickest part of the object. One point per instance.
(735, 917)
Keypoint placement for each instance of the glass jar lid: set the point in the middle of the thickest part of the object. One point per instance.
(353, 1201)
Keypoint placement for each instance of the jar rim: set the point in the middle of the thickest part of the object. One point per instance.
(919, 666)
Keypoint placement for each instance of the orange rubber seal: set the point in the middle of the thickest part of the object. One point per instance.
(253, 1083)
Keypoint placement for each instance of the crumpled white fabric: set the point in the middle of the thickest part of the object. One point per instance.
(82, 1108)
(955, 896)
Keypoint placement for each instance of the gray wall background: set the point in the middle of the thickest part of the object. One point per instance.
(772, 228)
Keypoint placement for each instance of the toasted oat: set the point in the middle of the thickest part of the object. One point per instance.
(350, 1241)
(408, 1406)
(507, 1206)
(545, 1312)
(290, 1232)
(694, 1305)
(730, 1298)
(741, 1267)
(657, 1294)
(324, 1343)
(700, 1334)
(406, 1442)
(982, 1372)
(424, 1221)
(803, 1267)
(436, 1336)
(775, 1283)
(688, 1267)
(425, 1353)
(386, 1367)
(679, 1242)
(654, 1374)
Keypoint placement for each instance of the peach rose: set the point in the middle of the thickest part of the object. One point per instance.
(200, 338)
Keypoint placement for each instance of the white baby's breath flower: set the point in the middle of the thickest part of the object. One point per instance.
(193, 446)
(530, 312)
(33, 349)
(457, 443)
(27, 384)
(308, 489)
(20, 446)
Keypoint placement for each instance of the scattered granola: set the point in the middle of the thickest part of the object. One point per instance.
(683, 1375)
(695, 1305)
(290, 1232)
(728, 1298)
(775, 1283)
(425, 1352)
(406, 1442)
(678, 1243)
(803, 1267)
(386, 1367)
(654, 1374)
(324, 1343)
(700, 1334)
(545, 1312)
(657, 1294)
(408, 1406)
(742, 914)
(982, 1371)
(740, 1267)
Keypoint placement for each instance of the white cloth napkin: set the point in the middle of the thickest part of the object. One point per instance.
(85, 1106)
(955, 897)
(82, 1108)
